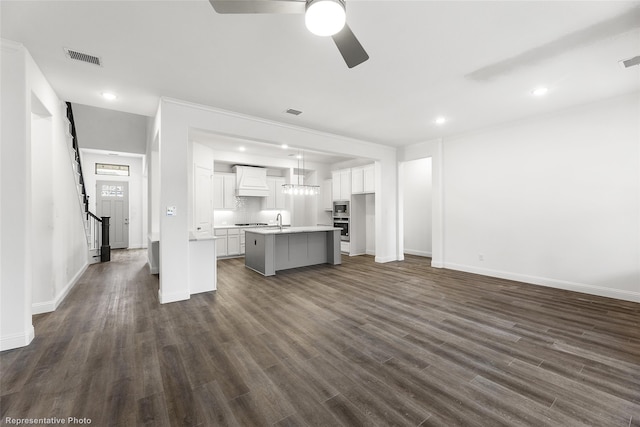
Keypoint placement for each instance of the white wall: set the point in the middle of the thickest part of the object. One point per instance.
(110, 130)
(69, 254)
(26, 91)
(417, 207)
(553, 200)
(137, 189)
(42, 202)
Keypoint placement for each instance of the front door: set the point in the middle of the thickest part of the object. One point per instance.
(113, 201)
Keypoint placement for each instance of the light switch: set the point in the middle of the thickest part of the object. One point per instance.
(172, 211)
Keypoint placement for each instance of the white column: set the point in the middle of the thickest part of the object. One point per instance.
(174, 236)
(16, 328)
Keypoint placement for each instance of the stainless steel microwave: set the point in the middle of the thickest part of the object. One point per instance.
(341, 209)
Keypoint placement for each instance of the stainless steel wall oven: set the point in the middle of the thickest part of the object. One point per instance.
(343, 224)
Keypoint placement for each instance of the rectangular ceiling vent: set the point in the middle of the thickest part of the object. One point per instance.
(294, 112)
(628, 63)
(83, 57)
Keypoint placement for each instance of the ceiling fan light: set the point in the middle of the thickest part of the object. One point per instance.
(325, 17)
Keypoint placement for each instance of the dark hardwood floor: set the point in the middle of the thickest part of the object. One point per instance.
(361, 344)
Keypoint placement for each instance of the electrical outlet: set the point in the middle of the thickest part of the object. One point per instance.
(171, 211)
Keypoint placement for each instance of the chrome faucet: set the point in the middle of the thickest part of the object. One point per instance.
(279, 220)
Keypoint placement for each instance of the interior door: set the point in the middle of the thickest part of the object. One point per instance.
(203, 199)
(112, 200)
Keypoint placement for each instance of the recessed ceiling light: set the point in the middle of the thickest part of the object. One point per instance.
(540, 91)
(440, 120)
(109, 96)
(284, 146)
(242, 149)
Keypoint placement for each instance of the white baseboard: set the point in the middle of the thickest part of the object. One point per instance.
(22, 339)
(417, 252)
(552, 283)
(153, 270)
(49, 306)
(370, 252)
(43, 307)
(138, 246)
(382, 259)
(172, 297)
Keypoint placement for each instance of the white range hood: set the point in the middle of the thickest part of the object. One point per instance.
(251, 181)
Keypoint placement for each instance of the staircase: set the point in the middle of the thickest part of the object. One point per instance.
(96, 228)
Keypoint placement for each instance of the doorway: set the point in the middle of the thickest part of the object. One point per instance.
(112, 200)
(417, 207)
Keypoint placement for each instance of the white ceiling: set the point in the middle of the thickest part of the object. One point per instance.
(472, 62)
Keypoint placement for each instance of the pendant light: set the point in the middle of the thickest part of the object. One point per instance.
(300, 189)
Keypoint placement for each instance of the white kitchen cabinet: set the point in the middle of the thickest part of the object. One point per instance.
(345, 184)
(335, 186)
(363, 179)
(327, 198)
(370, 178)
(233, 245)
(221, 244)
(357, 180)
(224, 191)
(280, 196)
(341, 184)
(218, 191)
(231, 242)
(344, 247)
(275, 200)
(229, 191)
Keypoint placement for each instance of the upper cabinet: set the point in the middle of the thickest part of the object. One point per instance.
(363, 179)
(341, 184)
(224, 191)
(275, 199)
(327, 198)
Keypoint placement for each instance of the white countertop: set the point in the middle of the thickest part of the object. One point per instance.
(290, 230)
(247, 226)
(193, 237)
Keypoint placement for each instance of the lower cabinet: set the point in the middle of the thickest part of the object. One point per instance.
(221, 244)
(344, 247)
(231, 243)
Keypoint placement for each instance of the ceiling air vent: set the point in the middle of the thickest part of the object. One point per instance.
(294, 112)
(628, 63)
(84, 57)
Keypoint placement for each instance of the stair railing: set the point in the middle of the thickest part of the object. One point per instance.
(96, 228)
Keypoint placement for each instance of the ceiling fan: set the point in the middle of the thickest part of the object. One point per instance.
(322, 17)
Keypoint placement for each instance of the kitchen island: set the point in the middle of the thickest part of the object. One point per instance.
(272, 249)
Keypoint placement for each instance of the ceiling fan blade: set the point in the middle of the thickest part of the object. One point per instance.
(349, 47)
(258, 6)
